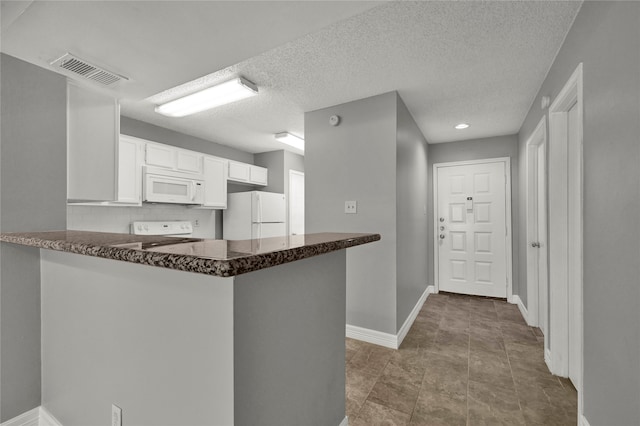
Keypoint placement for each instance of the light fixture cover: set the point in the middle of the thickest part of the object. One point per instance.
(221, 94)
(290, 139)
(461, 126)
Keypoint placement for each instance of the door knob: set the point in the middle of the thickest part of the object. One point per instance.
(442, 236)
(535, 245)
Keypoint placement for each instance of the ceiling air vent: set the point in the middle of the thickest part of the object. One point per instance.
(82, 68)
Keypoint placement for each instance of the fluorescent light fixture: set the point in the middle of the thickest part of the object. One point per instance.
(223, 93)
(290, 139)
(461, 126)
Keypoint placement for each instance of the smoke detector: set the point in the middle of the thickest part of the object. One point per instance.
(79, 67)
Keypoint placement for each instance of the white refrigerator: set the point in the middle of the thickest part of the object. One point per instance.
(254, 215)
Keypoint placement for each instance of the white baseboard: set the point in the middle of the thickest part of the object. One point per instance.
(515, 299)
(47, 419)
(389, 340)
(344, 422)
(30, 418)
(414, 313)
(372, 336)
(583, 421)
(547, 358)
(39, 416)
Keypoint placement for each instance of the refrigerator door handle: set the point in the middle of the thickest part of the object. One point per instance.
(259, 208)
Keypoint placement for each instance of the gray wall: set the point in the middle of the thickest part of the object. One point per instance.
(33, 192)
(289, 351)
(605, 37)
(140, 129)
(156, 342)
(357, 161)
(476, 149)
(274, 161)
(411, 198)
(279, 163)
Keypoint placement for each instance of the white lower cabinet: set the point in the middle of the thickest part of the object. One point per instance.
(215, 182)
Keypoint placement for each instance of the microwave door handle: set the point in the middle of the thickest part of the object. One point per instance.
(193, 191)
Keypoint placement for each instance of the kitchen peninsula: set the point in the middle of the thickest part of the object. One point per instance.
(191, 331)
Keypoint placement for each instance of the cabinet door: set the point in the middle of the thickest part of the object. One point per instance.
(239, 171)
(258, 175)
(161, 156)
(215, 182)
(189, 161)
(92, 145)
(130, 171)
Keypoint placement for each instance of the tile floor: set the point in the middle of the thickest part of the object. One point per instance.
(466, 361)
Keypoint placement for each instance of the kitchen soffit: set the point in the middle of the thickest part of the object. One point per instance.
(481, 62)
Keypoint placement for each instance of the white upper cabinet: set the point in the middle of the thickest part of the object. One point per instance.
(171, 157)
(130, 154)
(258, 175)
(189, 161)
(159, 155)
(93, 130)
(247, 173)
(238, 172)
(215, 182)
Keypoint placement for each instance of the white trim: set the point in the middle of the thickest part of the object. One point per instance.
(402, 333)
(515, 299)
(30, 418)
(345, 421)
(47, 419)
(547, 358)
(38, 416)
(583, 420)
(372, 336)
(508, 218)
(389, 340)
(560, 240)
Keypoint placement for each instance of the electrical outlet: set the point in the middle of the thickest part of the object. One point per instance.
(351, 207)
(116, 415)
(196, 223)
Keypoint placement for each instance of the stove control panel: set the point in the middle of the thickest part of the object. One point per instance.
(173, 227)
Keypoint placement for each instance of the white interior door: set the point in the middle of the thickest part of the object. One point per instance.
(471, 228)
(296, 202)
(537, 247)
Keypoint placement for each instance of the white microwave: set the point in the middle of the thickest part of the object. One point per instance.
(165, 186)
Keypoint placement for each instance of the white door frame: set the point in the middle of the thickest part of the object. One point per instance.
(507, 168)
(536, 147)
(560, 238)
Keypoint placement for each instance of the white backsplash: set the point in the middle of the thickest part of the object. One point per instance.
(118, 219)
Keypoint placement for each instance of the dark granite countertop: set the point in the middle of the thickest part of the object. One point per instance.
(223, 258)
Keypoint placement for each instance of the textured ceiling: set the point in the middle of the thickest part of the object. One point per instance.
(477, 62)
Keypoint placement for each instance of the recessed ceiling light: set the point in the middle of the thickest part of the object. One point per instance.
(461, 126)
(221, 94)
(290, 139)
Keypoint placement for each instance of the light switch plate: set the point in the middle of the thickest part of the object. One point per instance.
(351, 207)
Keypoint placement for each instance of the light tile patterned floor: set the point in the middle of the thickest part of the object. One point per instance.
(466, 361)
